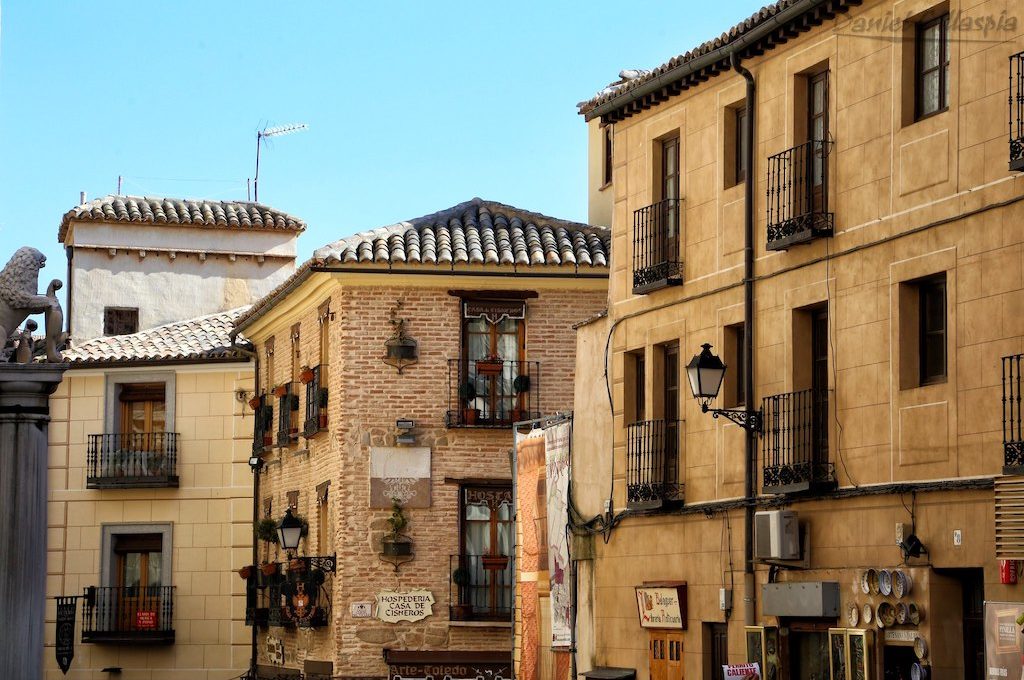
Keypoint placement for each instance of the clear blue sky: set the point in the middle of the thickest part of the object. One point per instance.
(411, 106)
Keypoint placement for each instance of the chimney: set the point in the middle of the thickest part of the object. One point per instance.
(81, 198)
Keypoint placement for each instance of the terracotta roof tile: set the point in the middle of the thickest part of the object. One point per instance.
(187, 211)
(204, 337)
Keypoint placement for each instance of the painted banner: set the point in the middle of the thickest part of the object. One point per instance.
(530, 499)
(742, 671)
(400, 473)
(556, 448)
(1004, 651)
(65, 638)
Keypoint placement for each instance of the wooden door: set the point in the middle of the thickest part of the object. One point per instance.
(670, 193)
(719, 633)
(817, 135)
(665, 654)
(139, 577)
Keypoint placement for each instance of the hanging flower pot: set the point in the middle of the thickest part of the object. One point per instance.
(281, 390)
(323, 419)
(494, 562)
(396, 547)
(489, 366)
(254, 403)
(297, 565)
(269, 568)
(470, 415)
(306, 375)
(245, 572)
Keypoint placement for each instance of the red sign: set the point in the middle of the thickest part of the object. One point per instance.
(145, 620)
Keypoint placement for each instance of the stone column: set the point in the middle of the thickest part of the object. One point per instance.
(25, 391)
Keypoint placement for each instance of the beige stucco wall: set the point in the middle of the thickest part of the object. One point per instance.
(910, 200)
(600, 196)
(210, 513)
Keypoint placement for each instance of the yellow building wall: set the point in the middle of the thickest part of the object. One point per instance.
(211, 514)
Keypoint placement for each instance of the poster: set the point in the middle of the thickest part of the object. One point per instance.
(742, 671)
(1003, 640)
(556, 448)
(530, 511)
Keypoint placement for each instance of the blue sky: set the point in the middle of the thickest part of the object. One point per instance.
(411, 107)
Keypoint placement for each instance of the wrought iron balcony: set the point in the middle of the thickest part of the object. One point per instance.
(287, 423)
(132, 461)
(128, 615)
(652, 464)
(657, 239)
(316, 406)
(492, 393)
(795, 443)
(480, 588)
(1016, 101)
(798, 195)
(1013, 430)
(263, 426)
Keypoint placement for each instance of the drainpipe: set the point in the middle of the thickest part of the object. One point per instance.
(70, 252)
(749, 592)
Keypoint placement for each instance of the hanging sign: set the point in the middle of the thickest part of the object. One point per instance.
(556, 452)
(741, 671)
(493, 311)
(662, 605)
(65, 638)
(145, 620)
(413, 605)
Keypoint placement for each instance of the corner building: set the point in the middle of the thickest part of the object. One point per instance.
(886, 299)
(392, 367)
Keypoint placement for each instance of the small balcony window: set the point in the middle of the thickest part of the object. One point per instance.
(1013, 425)
(1017, 112)
(652, 473)
(656, 244)
(795, 444)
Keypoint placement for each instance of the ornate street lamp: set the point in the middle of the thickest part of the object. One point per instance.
(705, 373)
(289, 531)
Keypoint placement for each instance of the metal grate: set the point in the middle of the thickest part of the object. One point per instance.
(139, 459)
(657, 237)
(1016, 102)
(795, 443)
(128, 613)
(652, 455)
(798, 195)
(1013, 428)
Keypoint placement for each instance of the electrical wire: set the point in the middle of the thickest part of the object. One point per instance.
(835, 368)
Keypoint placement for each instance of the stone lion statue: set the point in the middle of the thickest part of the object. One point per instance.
(19, 282)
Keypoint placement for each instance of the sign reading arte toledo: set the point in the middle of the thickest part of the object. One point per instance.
(413, 605)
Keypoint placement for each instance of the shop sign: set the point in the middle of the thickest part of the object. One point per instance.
(361, 610)
(742, 671)
(662, 605)
(413, 605)
(65, 636)
(428, 665)
(1004, 639)
(892, 635)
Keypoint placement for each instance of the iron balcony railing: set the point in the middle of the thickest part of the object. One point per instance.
(480, 588)
(657, 240)
(128, 614)
(798, 195)
(316, 406)
(286, 404)
(795, 442)
(652, 464)
(132, 460)
(492, 393)
(1013, 429)
(1016, 101)
(263, 425)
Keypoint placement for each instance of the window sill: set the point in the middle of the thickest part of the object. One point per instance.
(606, 185)
(479, 624)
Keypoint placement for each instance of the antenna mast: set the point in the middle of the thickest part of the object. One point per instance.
(260, 136)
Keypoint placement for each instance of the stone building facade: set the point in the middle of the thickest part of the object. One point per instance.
(886, 291)
(480, 300)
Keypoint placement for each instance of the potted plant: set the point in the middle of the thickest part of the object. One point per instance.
(245, 572)
(395, 543)
(521, 384)
(269, 568)
(266, 530)
(494, 562)
(305, 375)
(322, 403)
(296, 565)
(281, 390)
(268, 438)
(491, 365)
(462, 610)
(467, 393)
(254, 403)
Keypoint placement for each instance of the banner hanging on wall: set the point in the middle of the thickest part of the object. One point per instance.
(65, 638)
(556, 448)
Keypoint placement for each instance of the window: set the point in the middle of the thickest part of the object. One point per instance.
(734, 385)
(268, 349)
(143, 408)
(493, 353)
(638, 371)
(323, 318)
(323, 520)
(931, 67)
(486, 535)
(668, 188)
(120, 320)
(932, 330)
(740, 145)
(607, 176)
(296, 352)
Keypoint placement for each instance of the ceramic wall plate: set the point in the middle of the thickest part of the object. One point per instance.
(865, 587)
(866, 614)
(872, 577)
(914, 613)
(885, 582)
(918, 672)
(902, 613)
(886, 614)
(853, 615)
(920, 648)
(902, 583)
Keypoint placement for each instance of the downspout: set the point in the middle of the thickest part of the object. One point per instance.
(70, 252)
(749, 586)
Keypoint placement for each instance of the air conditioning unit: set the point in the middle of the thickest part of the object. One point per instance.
(776, 535)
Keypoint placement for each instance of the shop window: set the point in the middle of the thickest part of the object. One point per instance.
(120, 320)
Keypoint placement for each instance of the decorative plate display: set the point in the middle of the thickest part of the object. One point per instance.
(872, 577)
(902, 583)
(885, 582)
(902, 613)
(920, 647)
(865, 586)
(853, 615)
(886, 614)
(914, 613)
(866, 614)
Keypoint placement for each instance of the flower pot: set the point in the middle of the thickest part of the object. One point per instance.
(306, 375)
(323, 420)
(517, 414)
(269, 569)
(254, 403)
(494, 562)
(268, 438)
(462, 612)
(245, 572)
(280, 390)
(489, 367)
(297, 566)
(294, 431)
(396, 548)
(469, 416)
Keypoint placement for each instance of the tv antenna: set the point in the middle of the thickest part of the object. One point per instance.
(264, 134)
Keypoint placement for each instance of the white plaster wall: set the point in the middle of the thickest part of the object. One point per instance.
(119, 235)
(165, 290)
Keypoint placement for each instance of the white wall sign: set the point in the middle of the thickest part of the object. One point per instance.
(413, 605)
(402, 473)
(361, 610)
(662, 607)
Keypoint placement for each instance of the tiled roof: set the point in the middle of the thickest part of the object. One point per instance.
(187, 211)
(475, 232)
(630, 80)
(204, 337)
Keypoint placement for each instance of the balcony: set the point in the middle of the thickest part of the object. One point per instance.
(1016, 100)
(128, 615)
(652, 464)
(798, 195)
(480, 588)
(795, 443)
(492, 393)
(656, 241)
(316, 406)
(132, 461)
(287, 415)
(263, 425)
(1013, 436)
